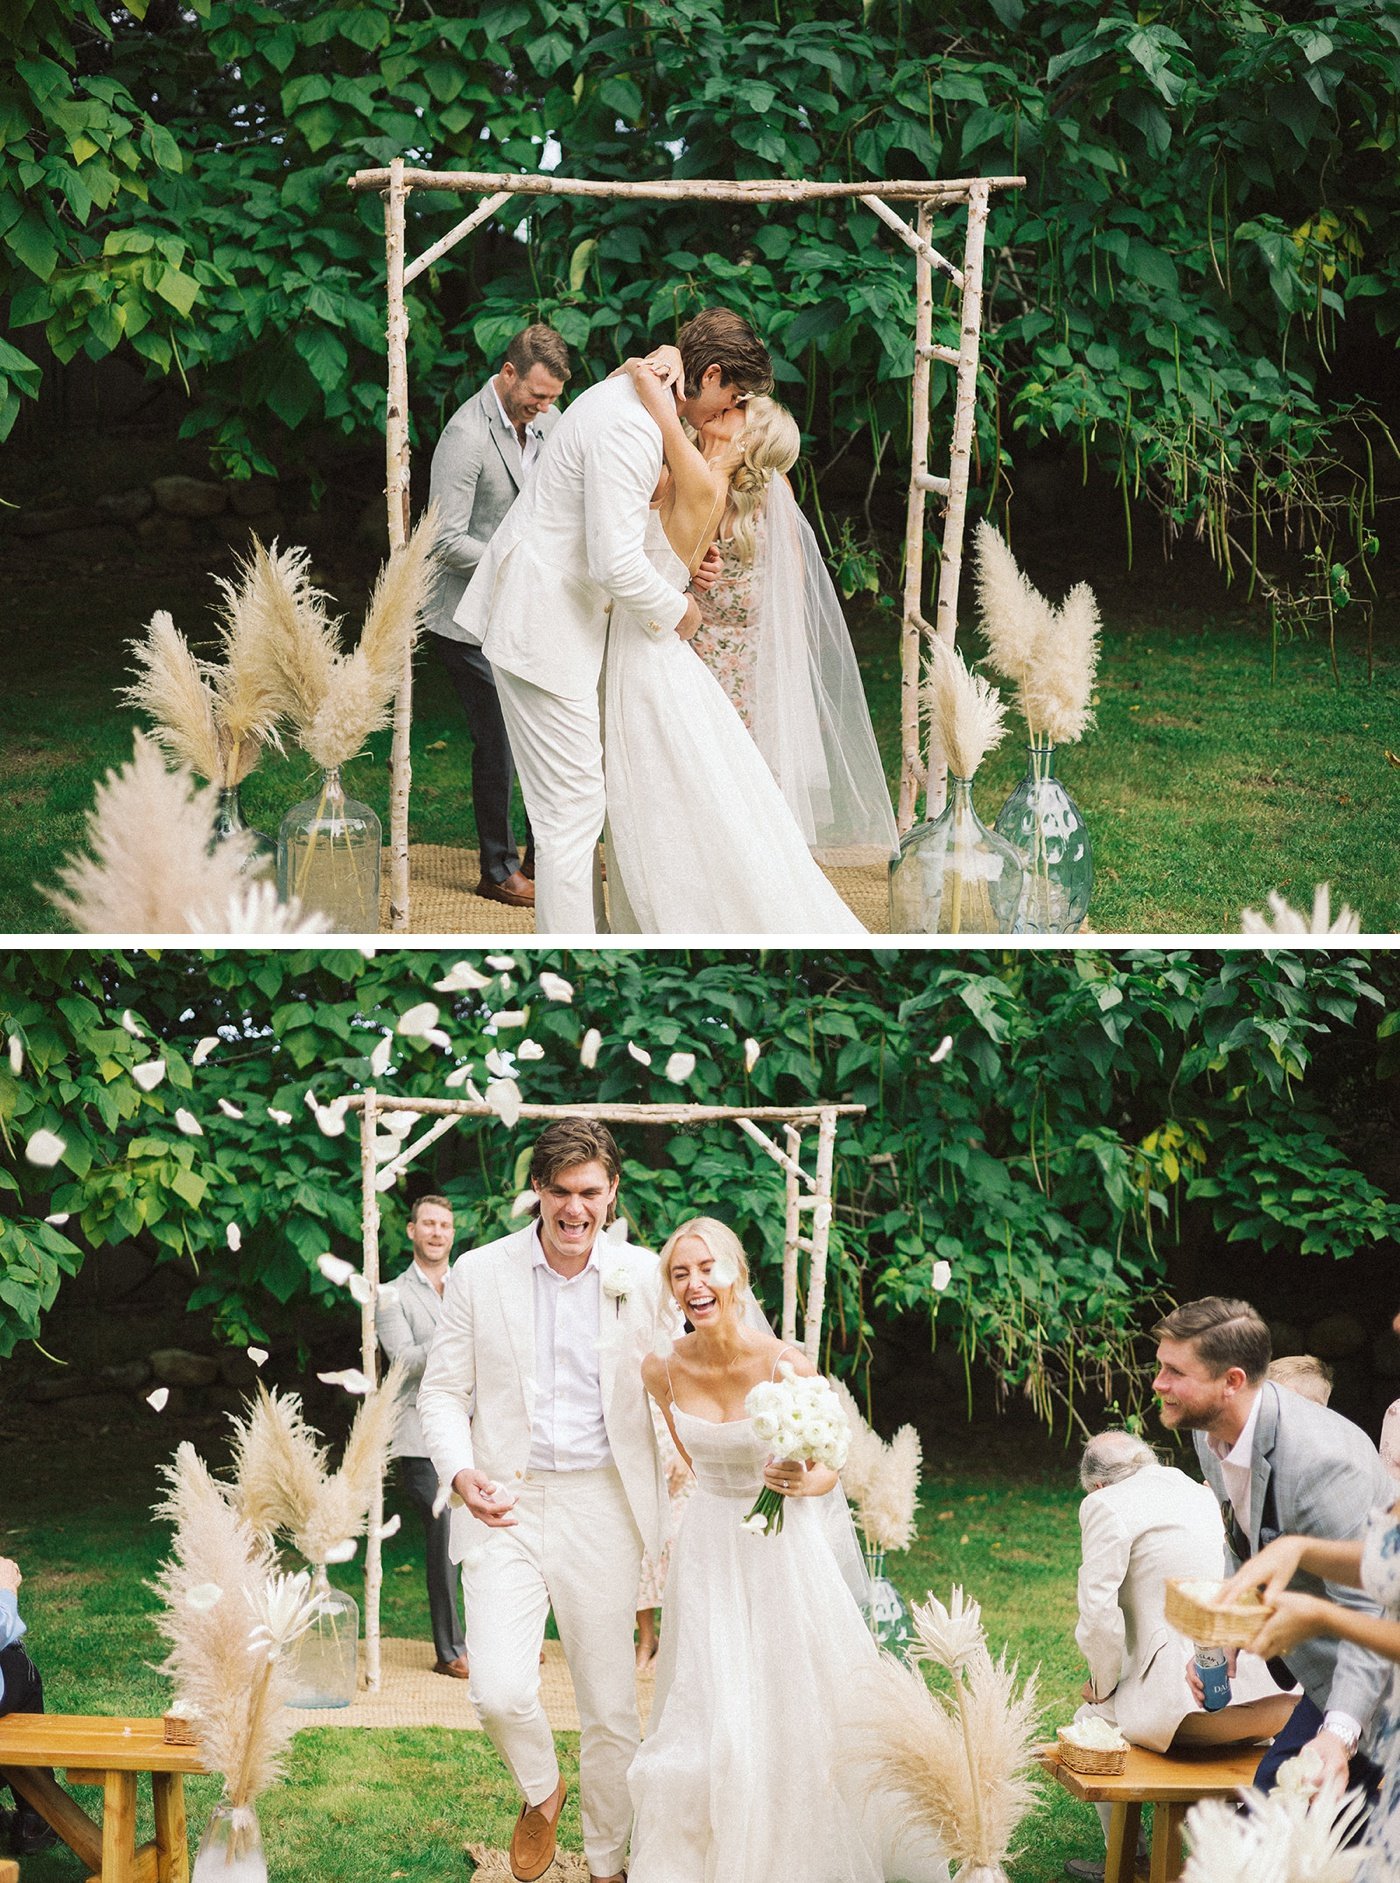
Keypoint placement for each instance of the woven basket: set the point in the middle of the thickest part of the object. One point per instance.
(180, 1732)
(1092, 1759)
(1233, 1626)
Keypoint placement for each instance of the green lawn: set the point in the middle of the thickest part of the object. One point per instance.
(1206, 783)
(370, 1806)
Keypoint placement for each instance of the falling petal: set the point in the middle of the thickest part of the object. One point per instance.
(639, 1053)
(203, 1596)
(379, 1058)
(131, 1023)
(942, 1275)
(524, 1204)
(497, 1065)
(724, 1271)
(335, 1268)
(188, 1123)
(386, 1179)
(279, 1117)
(752, 1049)
(350, 1378)
(503, 964)
(461, 979)
(16, 1054)
(58, 1218)
(157, 1400)
(555, 987)
(389, 1291)
(503, 1096)
(529, 1049)
(473, 1094)
(359, 1289)
(458, 1076)
(942, 1050)
(257, 1355)
(436, 1037)
(442, 1500)
(233, 1236)
(149, 1074)
(331, 1119)
(679, 1067)
(399, 1123)
(821, 1215)
(309, 1099)
(44, 1149)
(418, 1019)
(588, 1050)
(342, 1552)
(203, 1049)
(229, 1109)
(511, 1018)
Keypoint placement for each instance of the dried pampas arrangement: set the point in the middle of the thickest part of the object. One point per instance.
(1284, 919)
(152, 870)
(282, 1479)
(968, 714)
(228, 1619)
(881, 1478)
(959, 1761)
(1290, 1835)
(1051, 655)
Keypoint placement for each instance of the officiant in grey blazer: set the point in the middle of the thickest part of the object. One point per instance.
(487, 449)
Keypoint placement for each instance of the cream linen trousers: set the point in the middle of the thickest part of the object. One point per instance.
(576, 1548)
(558, 751)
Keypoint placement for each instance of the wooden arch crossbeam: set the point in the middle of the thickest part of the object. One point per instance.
(919, 769)
(806, 1197)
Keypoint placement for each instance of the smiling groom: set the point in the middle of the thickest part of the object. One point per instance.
(533, 1410)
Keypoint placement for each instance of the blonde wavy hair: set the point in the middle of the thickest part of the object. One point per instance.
(719, 1240)
(769, 442)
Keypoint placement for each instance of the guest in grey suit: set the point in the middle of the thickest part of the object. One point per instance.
(406, 1323)
(487, 449)
(1279, 1463)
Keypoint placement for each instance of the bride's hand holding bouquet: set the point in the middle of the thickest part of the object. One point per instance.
(803, 1421)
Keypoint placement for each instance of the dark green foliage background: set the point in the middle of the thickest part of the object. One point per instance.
(1095, 1113)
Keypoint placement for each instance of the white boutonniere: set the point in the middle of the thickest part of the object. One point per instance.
(617, 1284)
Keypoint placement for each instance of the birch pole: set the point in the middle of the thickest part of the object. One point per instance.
(396, 489)
(369, 1356)
(792, 1232)
(821, 1238)
(913, 767)
(964, 414)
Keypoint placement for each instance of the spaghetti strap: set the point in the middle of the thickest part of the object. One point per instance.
(715, 513)
(670, 1389)
(785, 1348)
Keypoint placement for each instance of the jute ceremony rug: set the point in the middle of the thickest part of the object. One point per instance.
(442, 900)
(411, 1694)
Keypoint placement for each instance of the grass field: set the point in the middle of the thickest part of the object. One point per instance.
(374, 1806)
(1206, 783)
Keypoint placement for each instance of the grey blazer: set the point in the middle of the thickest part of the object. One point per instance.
(1326, 1476)
(405, 1326)
(475, 479)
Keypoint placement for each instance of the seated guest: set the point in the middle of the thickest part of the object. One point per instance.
(21, 1691)
(1304, 1373)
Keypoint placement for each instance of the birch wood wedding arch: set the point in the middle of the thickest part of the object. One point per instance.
(919, 768)
(805, 1195)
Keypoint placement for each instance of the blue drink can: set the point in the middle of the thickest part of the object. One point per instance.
(1211, 1665)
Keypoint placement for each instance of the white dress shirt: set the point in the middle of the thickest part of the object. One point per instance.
(534, 438)
(568, 1433)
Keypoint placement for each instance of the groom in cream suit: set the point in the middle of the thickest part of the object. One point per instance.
(539, 603)
(533, 1410)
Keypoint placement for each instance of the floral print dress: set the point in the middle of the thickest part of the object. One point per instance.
(1380, 1578)
(726, 642)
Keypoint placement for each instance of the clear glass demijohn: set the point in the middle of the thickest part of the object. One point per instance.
(953, 876)
(328, 858)
(327, 1655)
(1047, 830)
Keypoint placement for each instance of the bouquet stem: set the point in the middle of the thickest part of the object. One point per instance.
(766, 1517)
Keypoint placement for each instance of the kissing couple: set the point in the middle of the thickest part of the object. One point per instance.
(534, 1405)
(712, 792)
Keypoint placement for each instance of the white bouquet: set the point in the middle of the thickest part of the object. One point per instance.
(801, 1420)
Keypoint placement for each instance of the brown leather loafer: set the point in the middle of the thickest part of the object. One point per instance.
(532, 1842)
(517, 891)
(455, 1670)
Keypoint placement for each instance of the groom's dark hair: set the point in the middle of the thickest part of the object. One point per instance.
(569, 1142)
(717, 336)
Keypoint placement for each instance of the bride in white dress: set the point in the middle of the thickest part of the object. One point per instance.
(700, 838)
(746, 1773)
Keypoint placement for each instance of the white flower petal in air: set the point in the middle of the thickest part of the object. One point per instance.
(45, 1148)
(555, 987)
(233, 1236)
(942, 1275)
(417, 1020)
(588, 1048)
(359, 1289)
(58, 1218)
(157, 1400)
(458, 1076)
(16, 1054)
(942, 1050)
(472, 1093)
(279, 1117)
(379, 1058)
(503, 1096)
(523, 1204)
(639, 1053)
(503, 964)
(511, 1018)
(752, 1049)
(822, 1214)
(203, 1049)
(390, 1528)
(388, 1291)
(387, 1178)
(497, 1065)
(529, 1049)
(149, 1074)
(131, 1023)
(188, 1123)
(436, 1037)
(399, 1123)
(229, 1109)
(335, 1268)
(725, 1272)
(442, 1500)
(309, 1099)
(350, 1378)
(342, 1552)
(679, 1067)
(257, 1355)
(462, 978)
(203, 1596)
(331, 1119)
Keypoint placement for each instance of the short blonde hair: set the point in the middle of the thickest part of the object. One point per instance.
(1303, 1373)
(719, 1240)
(769, 442)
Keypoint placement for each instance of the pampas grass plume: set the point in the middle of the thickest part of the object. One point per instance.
(967, 711)
(173, 688)
(1284, 919)
(1051, 654)
(881, 1479)
(1283, 1836)
(1015, 615)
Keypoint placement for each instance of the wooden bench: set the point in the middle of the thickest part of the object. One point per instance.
(111, 1753)
(1171, 1784)
(9, 1870)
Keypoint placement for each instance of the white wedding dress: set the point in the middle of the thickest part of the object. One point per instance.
(700, 839)
(746, 1774)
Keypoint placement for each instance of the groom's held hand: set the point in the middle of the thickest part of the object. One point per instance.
(485, 1500)
(689, 624)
